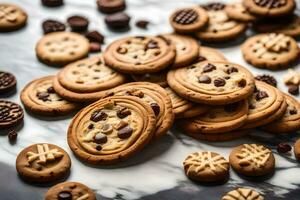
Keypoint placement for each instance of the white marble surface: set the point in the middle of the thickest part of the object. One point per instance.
(156, 172)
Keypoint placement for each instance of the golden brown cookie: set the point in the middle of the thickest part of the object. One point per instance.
(220, 137)
(140, 54)
(159, 78)
(111, 130)
(242, 194)
(271, 51)
(39, 97)
(252, 160)
(238, 12)
(206, 167)
(210, 54)
(297, 149)
(12, 17)
(43, 163)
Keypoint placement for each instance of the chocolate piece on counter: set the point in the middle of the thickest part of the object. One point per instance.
(52, 3)
(143, 24)
(111, 6)
(118, 21)
(78, 23)
(50, 26)
(293, 89)
(283, 148)
(95, 36)
(95, 47)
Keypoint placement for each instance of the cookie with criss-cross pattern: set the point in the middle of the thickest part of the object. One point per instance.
(11, 114)
(60, 48)
(242, 193)
(188, 20)
(213, 83)
(271, 51)
(238, 12)
(12, 17)
(140, 54)
(111, 130)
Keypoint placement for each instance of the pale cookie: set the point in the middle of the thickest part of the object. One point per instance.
(297, 150)
(12, 17)
(111, 130)
(70, 191)
(206, 167)
(159, 78)
(43, 163)
(290, 121)
(220, 26)
(155, 96)
(39, 97)
(238, 12)
(187, 49)
(60, 48)
(140, 54)
(11, 114)
(213, 83)
(242, 194)
(270, 8)
(183, 108)
(271, 51)
(210, 54)
(266, 105)
(188, 20)
(252, 160)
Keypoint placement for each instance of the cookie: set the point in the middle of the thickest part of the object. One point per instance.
(219, 137)
(60, 48)
(11, 114)
(238, 12)
(270, 8)
(70, 191)
(242, 193)
(153, 95)
(140, 54)
(220, 26)
(84, 80)
(188, 20)
(8, 82)
(187, 49)
(212, 83)
(183, 108)
(252, 160)
(271, 51)
(206, 167)
(159, 78)
(43, 163)
(297, 149)
(111, 130)
(210, 54)
(266, 105)
(108, 6)
(39, 97)
(290, 121)
(12, 17)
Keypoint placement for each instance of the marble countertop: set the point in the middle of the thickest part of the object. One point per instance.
(156, 172)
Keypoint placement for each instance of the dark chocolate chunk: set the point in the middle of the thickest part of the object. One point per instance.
(267, 79)
(51, 90)
(98, 148)
(242, 83)
(143, 24)
(117, 21)
(64, 195)
(231, 70)
(261, 95)
(125, 132)
(91, 126)
(201, 58)
(293, 112)
(8, 82)
(155, 107)
(78, 23)
(95, 47)
(98, 115)
(52, 3)
(293, 89)
(283, 148)
(151, 45)
(111, 6)
(12, 136)
(50, 26)
(123, 112)
(43, 96)
(204, 79)
(208, 68)
(100, 138)
(185, 16)
(95, 36)
(219, 82)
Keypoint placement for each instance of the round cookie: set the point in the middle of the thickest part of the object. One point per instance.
(252, 160)
(297, 149)
(70, 191)
(39, 97)
(243, 194)
(8, 82)
(238, 12)
(43, 163)
(187, 49)
(213, 83)
(290, 121)
(111, 130)
(266, 105)
(270, 8)
(159, 78)
(220, 26)
(11, 114)
(140, 54)
(206, 167)
(188, 20)
(60, 48)
(271, 51)
(183, 108)
(12, 17)
(210, 54)
(153, 95)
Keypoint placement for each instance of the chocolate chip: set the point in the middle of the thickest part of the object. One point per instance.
(109, 6)
(293, 112)
(267, 79)
(219, 82)
(201, 58)
(98, 115)
(242, 83)
(214, 6)
(64, 195)
(8, 82)
(123, 112)
(125, 132)
(51, 90)
(208, 68)
(117, 21)
(261, 95)
(95, 36)
(283, 148)
(78, 23)
(100, 138)
(12, 136)
(121, 124)
(293, 89)
(50, 26)
(231, 70)
(185, 16)
(231, 107)
(98, 148)
(43, 96)
(155, 107)
(52, 3)
(91, 126)
(95, 47)
(106, 128)
(151, 45)
(204, 79)
(143, 24)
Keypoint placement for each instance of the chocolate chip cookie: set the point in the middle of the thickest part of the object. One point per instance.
(39, 97)
(213, 83)
(159, 78)
(111, 130)
(238, 12)
(43, 163)
(12, 17)
(8, 82)
(140, 54)
(243, 193)
(271, 51)
(11, 114)
(210, 54)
